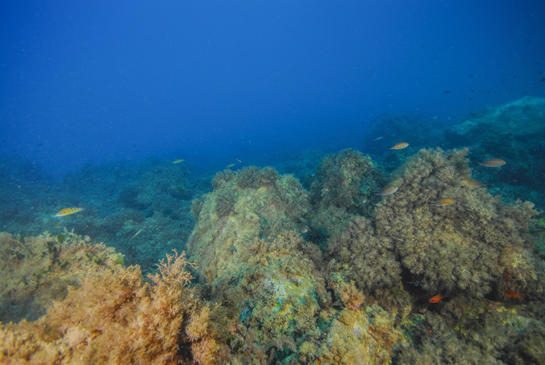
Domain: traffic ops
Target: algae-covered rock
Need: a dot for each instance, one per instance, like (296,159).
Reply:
(466,245)
(36,271)
(370,260)
(342,188)
(522,117)
(244,207)
(248,234)
(476,331)
(345,180)
(359,337)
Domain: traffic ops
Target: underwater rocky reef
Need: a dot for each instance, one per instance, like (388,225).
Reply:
(368,259)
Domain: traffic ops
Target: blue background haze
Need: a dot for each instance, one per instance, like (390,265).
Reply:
(210,81)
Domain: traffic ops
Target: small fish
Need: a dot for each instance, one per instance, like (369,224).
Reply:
(436,298)
(364,200)
(304,229)
(447,92)
(238,160)
(493,162)
(178,161)
(58,226)
(376,139)
(471,182)
(400,146)
(513,294)
(388,190)
(543,79)
(443,202)
(230,165)
(67,211)
(136,234)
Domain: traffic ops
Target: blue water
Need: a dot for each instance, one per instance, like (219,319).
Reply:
(406,254)
(216,80)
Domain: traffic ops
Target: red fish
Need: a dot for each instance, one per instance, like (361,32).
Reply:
(513,294)
(436,298)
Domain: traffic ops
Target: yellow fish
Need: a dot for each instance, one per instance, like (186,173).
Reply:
(178,161)
(443,202)
(304,229)
(67,211)
(493,162)
(230,165)
(388,190)
(471,182)
(400,146)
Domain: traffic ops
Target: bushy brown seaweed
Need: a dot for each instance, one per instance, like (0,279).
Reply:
(117,318)
(475,332)
(345,180)
(36,271)
(454,247)
(370,259)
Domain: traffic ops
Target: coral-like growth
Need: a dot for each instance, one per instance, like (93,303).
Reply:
(456,246)
(38,270)
(116,318)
